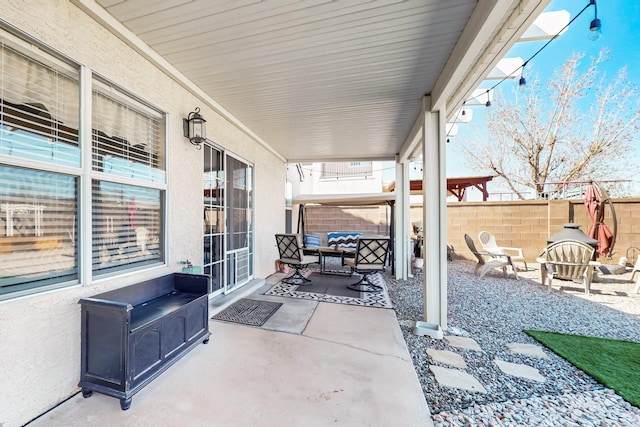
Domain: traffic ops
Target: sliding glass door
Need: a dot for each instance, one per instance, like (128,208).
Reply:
(240,225)
(228,220)
(214,217)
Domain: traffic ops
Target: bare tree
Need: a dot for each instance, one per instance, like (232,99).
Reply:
(577,127)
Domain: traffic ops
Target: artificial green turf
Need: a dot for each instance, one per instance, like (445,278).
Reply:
(616,364)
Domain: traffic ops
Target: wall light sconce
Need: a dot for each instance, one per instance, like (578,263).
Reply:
(193,127)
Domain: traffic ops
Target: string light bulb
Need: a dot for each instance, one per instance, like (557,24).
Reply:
(595,28)
(523,81)
(595,31)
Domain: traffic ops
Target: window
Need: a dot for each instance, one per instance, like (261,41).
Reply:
(127,226)
(346,170)
(38,244)
(41,169)
(128,150)
(39,114)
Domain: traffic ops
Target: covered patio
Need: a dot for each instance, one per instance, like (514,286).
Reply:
(318,363)
(277,82)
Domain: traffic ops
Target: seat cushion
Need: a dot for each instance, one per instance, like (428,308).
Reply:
(364,267)
(306,259)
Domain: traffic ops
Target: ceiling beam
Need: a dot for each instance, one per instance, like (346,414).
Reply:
(413,141)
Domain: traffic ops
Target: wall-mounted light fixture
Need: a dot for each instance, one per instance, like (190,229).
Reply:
(193,127)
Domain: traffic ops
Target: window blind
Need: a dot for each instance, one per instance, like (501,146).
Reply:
(127,226)
(128,137)
(39,108)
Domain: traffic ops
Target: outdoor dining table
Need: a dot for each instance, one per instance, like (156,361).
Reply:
(325,252)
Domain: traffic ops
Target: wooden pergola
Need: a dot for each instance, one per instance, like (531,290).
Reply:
(455,186)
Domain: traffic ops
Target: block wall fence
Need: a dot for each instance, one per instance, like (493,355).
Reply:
(521,224)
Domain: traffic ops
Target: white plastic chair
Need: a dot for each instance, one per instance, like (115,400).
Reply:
(636,269)
(488,242)
(568,260)
(488,261)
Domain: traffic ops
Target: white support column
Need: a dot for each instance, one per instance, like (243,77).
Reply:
(434,223)
(403,255)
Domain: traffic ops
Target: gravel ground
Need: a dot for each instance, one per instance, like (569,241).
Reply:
(494,310)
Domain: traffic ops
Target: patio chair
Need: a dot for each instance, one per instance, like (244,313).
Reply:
(488,242)
(568,260)
(290,248)
(370,257)
(488,260)
(636,268)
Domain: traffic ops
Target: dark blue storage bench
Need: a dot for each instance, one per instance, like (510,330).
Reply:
(132,334)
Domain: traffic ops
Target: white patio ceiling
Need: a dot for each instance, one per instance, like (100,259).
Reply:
(324,79)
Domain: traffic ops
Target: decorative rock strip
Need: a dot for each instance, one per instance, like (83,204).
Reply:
(492,312)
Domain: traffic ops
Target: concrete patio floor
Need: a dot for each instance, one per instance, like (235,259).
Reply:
(310,364)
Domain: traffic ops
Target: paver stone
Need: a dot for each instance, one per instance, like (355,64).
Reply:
(457,379)
(447,357)
(463,342)
(520,370)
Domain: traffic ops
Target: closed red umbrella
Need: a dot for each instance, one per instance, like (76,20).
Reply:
(593,202)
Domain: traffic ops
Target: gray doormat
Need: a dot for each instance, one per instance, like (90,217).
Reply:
(248,312)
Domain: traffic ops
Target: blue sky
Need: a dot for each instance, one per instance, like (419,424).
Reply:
(620,21)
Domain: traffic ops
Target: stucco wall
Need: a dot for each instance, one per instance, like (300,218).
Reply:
(40,334)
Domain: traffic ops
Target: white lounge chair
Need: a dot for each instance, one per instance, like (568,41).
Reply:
(488,260)
(488,242)
(636,269)
(568,260)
